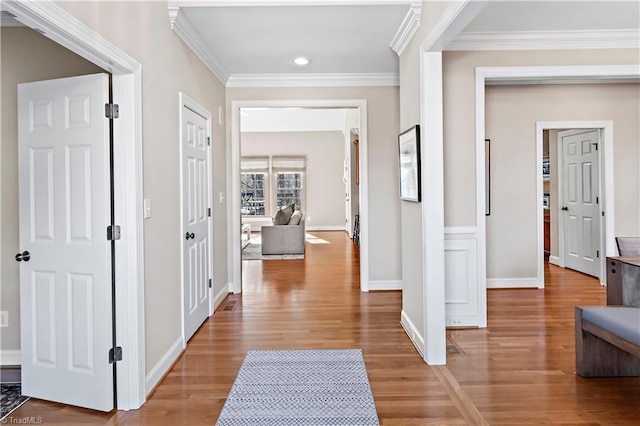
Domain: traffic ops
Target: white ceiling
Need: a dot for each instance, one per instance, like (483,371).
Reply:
(266,39)
(245,38)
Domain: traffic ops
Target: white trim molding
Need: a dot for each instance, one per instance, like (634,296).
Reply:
(58,25)
(233,183)
(536,75)
(220,296)
(407,29)
(325,228)
(385,285)
(531,282)
(183,28)
(546,40)
(454,19)
(10,357)
(555,260)
(165,363)
(411,330)
(314,80)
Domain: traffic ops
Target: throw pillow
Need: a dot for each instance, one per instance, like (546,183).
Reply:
(296,217)
(283,215)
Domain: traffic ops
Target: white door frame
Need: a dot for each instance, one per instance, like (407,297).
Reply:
(233,182)
(64,29)
(605,186)
(533,75)
(187,102)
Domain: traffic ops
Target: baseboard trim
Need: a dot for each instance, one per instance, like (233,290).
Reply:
(325,228)
(512,282)
(163,366)
(554,260)
(411,330)
(385,285)
(219,298)
(10,357)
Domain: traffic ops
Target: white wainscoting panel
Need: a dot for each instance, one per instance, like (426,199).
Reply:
(461,277)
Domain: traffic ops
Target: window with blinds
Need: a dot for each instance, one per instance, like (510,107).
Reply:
(267,184)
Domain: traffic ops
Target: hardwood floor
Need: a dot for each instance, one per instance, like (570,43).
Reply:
(520,370)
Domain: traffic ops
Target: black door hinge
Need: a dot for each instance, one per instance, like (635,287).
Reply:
(112,111)
(210,283)
(209,212)
(115,354)
(597,200)
(208,140)
(113,233)
(598,253)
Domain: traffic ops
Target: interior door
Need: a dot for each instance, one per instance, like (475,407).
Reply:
(65,258)
(195,220)
(581,209)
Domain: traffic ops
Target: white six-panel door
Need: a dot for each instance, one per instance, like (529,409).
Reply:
(195,220)
(581,210)
(64,206)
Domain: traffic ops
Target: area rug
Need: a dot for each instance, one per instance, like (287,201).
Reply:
(253,251)
(10,398)
(301,387)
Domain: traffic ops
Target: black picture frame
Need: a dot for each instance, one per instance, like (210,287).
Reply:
(487,177)
(409,164)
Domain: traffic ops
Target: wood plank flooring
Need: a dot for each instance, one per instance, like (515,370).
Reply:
(520,370)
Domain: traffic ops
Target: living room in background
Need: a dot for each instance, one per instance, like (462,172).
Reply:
(268,183)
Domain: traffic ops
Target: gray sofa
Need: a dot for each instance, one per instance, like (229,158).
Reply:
(284,238)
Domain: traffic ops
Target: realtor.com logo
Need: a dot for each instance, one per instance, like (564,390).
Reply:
(29,420)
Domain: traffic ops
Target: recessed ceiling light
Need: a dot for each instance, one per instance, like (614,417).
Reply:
(301,60)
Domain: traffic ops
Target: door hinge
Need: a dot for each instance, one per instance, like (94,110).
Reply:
(113,232)
(596,145)
(598,253)
(209,211)
(208,140)
(597,200)
(602,214)
(115,354)
(210,283)
(112,111)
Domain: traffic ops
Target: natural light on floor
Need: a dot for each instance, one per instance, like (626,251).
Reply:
(312,239)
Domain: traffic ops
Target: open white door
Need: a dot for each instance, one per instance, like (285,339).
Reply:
(581,207)
(65,258)
(195,219)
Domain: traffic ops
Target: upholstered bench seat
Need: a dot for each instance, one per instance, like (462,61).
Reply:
(623,321)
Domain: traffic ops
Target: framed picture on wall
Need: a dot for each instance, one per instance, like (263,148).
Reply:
(409,155)
(487,177)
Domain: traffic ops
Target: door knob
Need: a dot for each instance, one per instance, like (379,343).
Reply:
(565,209)
(25,255)
(189,235)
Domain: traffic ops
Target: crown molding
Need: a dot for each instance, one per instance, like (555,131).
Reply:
(547,40)
(189,35)
(407,29)
(8,19)
(313,80)
(454,19)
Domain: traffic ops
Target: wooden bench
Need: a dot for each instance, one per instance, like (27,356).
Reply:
(607,341)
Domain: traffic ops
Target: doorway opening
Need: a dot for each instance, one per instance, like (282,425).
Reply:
(256,209)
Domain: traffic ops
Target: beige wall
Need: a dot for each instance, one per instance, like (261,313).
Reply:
(383,123)
(25,56)
(459,112)
(411,213)
(511,124)
(324,154)
(142,30)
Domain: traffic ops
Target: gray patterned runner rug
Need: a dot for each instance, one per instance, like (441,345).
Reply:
(301,387)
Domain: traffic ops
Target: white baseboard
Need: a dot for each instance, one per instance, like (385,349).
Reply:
(10,357)
(512,282)
(385,285)
(554,260)
(219,298)
(162,367)
(325,228)
(412,332)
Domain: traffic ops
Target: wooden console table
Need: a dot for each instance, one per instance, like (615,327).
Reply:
(623,281)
